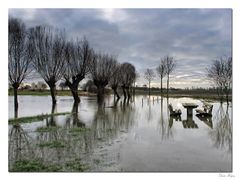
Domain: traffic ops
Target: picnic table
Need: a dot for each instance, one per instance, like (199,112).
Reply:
(189,107)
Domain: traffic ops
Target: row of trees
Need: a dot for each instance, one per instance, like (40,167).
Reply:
(219,73)
(47,51)
(165,68)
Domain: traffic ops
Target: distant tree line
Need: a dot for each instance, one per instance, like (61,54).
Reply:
(219,73)
(47,51)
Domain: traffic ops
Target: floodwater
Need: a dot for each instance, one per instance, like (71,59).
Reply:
(135,136)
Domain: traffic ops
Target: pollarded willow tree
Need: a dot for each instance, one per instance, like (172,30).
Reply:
(102,68)
(220,73)
(115,80)
(149,76)
(78,56)
(18,56)
(128,77)
(48,55)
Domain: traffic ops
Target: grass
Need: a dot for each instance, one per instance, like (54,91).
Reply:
(78,131)
(34,165)
(97,161)
(29,119)
(47,129)
(76,166)
(52,144)
(177,94)
(47,93)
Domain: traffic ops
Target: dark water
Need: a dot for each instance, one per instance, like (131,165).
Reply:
(133,136)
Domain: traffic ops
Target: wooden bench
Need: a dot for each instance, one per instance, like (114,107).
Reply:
(176,112)
(205,111)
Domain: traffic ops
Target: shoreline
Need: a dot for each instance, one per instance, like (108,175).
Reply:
(179,94)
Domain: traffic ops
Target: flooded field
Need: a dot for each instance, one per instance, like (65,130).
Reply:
(135,136)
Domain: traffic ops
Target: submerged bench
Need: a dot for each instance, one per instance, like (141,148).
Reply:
(205,111)
(176,112)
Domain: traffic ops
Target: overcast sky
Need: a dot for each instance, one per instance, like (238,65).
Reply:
(194,37)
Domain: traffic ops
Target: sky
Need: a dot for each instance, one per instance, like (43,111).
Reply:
(194,37)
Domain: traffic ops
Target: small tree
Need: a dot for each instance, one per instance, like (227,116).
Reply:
(128,77)
(170,66)
(18,56)
(220,73)
(48,55)
(161,71)
(149,76)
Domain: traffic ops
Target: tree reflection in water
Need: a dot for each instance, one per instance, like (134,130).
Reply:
(74,141)
(165,124)
(222,132)
(19,145)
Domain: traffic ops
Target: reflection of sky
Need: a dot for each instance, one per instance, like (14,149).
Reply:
(141,144)
(194,37)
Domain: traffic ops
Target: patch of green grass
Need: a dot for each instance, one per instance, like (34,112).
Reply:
(48,93)
(78,130)
(47,129)
(96,161)
(33,166)
(76,165)
(52,144)
(30,119)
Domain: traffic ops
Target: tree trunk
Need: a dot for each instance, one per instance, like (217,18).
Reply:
(100,94)
(76,98)
(73,86)
(167,85)
(134,89)
(149,89)
(53,94)
(15,101)
(116,93)
(128,93)
(161,87)
(124,92)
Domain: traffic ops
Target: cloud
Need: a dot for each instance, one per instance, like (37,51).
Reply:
(194,37)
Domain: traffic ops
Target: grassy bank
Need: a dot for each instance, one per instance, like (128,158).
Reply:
(47,93)
(30,119)
(204,94)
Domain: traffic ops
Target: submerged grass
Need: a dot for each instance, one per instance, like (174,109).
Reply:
(34,165)
(47,129)
(30,119)
(52,144)
(76,165)
(78,130)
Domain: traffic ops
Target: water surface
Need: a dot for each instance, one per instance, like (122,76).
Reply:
(134,136)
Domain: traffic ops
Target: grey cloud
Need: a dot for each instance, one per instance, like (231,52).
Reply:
(142,36)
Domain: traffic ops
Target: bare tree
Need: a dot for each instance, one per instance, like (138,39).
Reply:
(48,55)
(115,80)
(102,68)
(220,73)
(149,76)
(161,71)
(78,56)
(128,76)
(18,56)
(170,66)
